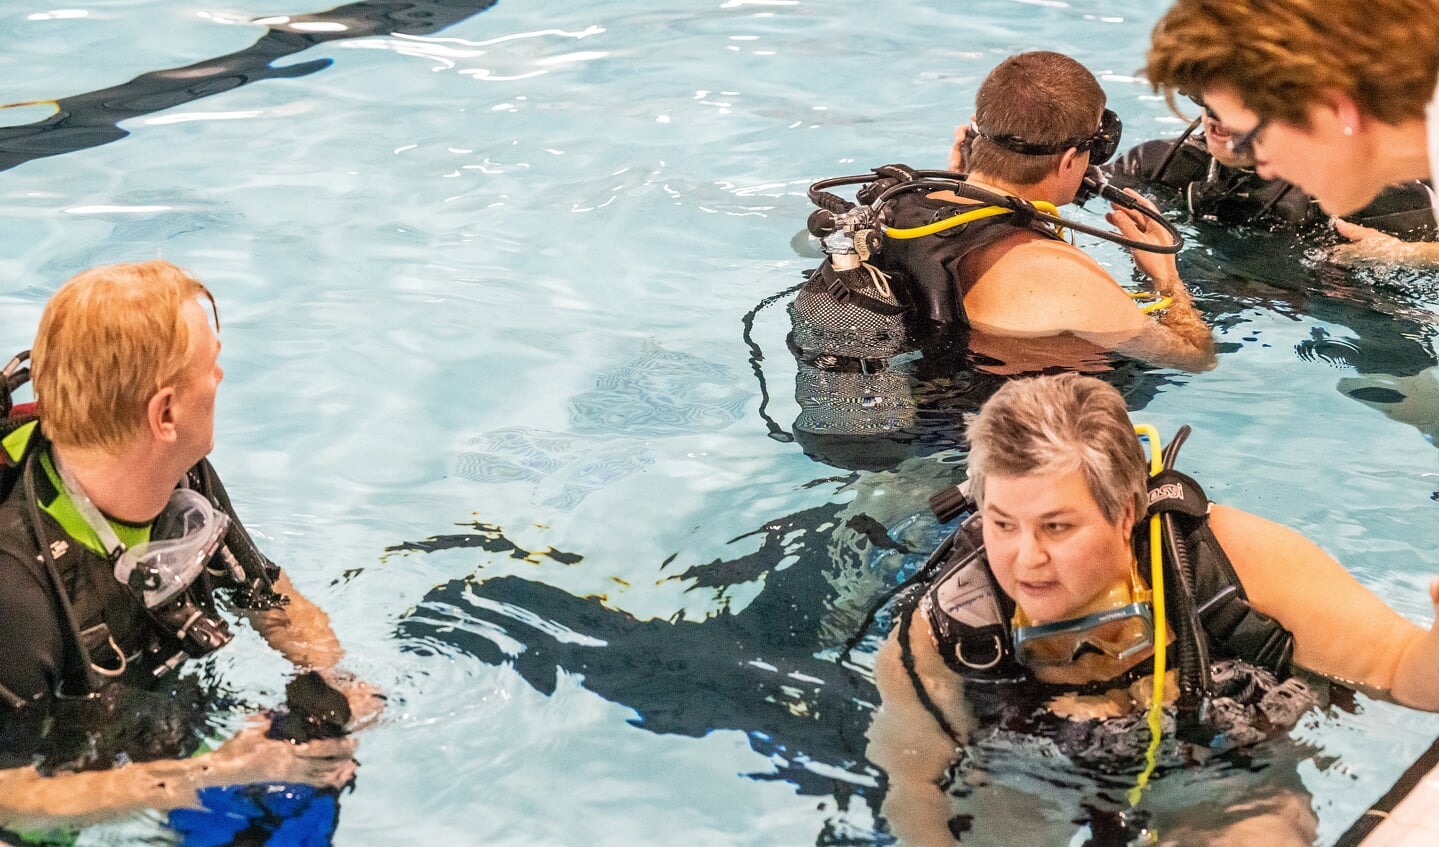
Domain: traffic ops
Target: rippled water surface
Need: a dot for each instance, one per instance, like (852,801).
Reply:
(507,388)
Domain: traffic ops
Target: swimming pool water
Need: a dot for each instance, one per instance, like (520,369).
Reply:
(491,399)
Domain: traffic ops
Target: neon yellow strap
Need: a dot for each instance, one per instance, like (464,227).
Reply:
(963,218)
(1161,628)
(1156,302)
(16,442)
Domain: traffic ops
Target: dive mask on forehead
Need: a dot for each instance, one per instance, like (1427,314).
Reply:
(1102,144)
(1123,627)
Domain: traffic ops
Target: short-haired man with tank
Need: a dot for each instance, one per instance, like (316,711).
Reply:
(116,541)
(1031,299)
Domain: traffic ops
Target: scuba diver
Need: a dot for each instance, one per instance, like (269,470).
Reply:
(117,540)
(937,285)
(1027,299)
(1218,184)
(1058,606)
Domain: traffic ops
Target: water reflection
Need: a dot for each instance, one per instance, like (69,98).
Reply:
(87,120)
(767,669)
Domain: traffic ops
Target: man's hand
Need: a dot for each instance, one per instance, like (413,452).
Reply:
(366,701)
(1136,226)
(252,757)
(957,161)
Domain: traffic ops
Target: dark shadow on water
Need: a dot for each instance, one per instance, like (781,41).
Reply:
(93,118)
(760,670)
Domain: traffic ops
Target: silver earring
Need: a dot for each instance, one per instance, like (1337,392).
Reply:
(1348,130)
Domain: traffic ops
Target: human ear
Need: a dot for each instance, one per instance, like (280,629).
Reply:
(160,414)
(1347,115)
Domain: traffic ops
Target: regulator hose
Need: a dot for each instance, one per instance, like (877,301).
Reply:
(1194,681)
(905,180)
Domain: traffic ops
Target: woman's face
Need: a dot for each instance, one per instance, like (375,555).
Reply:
(1324,160)
(1049,545)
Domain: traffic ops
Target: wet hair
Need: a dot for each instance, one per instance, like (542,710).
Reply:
(1281,56)
(109,339)
(1042,97)
(1054,424)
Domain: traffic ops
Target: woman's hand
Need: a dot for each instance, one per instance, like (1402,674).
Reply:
(1366,244)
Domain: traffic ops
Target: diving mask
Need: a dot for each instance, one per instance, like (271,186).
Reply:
(1121,627)
(183,538)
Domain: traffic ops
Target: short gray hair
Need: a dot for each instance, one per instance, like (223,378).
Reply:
(1053,424)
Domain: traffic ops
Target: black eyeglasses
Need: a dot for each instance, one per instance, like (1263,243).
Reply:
(1243,145)
(1102,144)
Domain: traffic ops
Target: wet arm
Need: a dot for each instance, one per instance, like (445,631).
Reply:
(299,630)
(1341,629)
(1048,287)
(907,742)
(1181,338)
(1367,244)
(29,800)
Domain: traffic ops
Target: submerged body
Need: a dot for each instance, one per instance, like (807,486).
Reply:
(1061,494)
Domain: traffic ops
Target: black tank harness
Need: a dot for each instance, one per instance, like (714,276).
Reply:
(875,235)
(970,615)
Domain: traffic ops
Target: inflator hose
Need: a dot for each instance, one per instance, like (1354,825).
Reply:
(1194,682)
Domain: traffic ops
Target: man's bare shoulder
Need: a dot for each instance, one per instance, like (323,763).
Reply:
(1031,285)
(1030,257)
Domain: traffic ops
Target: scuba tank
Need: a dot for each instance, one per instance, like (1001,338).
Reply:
(849,324)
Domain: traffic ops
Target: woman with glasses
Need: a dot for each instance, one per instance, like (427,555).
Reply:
(1217,186)
(1041,616)
(1336,98)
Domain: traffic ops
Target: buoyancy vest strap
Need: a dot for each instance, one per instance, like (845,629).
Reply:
(906,658)
(1231,620)
(18,440)
(1172,491)
(1225,612)
(75,675)
(844,286)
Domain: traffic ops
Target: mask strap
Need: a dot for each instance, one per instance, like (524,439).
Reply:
(90,513)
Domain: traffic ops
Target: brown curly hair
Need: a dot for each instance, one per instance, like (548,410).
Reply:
(1281,56)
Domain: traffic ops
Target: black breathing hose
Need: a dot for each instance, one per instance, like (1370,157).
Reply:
(1194,681)
(926,180)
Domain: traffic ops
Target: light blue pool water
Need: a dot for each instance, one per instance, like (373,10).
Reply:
(487,286)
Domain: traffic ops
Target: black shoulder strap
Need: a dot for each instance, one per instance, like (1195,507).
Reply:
(1230,621)
(75,678)
(1172,491)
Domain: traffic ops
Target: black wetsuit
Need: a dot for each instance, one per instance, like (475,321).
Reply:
(54,644)
(1228,196)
